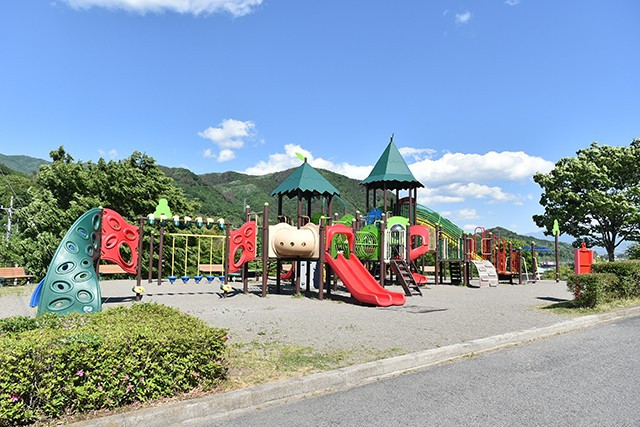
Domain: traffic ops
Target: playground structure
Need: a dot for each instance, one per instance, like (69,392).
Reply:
(387,245)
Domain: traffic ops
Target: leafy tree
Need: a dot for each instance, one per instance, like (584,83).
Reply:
(65,189)
(594,195)
(633,251)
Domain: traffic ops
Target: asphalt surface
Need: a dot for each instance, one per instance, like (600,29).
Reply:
(589,377)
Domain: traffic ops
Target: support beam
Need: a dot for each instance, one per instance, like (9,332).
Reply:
(265,249)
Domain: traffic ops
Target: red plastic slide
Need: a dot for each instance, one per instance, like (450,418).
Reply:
(361,283)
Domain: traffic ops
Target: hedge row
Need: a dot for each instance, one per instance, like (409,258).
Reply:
(52,366)
(609,281)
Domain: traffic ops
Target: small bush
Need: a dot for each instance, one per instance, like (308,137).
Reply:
(589,290)
(628,274)
(53,366)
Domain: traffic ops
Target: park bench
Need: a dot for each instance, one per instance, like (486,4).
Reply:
(110,269)
(14,273)
(211,268)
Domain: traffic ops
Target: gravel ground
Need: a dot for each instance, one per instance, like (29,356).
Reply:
(443,315)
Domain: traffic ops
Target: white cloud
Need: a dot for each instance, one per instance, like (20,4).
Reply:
(230,134)
(451,178)
(112,154)
(416,154)
(470,227)
(226,155)
(512,2)
(466,213)
(281,161)
(194,7)
(464,17)
(481,168)
(208,153)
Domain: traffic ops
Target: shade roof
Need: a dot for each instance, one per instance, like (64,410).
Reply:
(391,171)
(306,181)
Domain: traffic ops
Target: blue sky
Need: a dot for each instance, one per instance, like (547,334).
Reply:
(480,95)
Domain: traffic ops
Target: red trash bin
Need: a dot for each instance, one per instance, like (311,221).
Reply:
(582,260)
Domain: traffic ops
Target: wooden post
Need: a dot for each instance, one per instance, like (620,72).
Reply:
(297,274)
(407,245)
(534,267)
(510,263)
(265,249)
(150,273)
(383,226)
(367,200)
(384,197)
(279,204)
(160,250)
(227,241)
(465,261)
(245,267)
(397,210)
(139,249)
(436,257)
(329,213)
(519,266)
(320,267)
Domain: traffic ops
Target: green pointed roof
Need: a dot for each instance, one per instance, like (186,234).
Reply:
(392,170)
(307,181)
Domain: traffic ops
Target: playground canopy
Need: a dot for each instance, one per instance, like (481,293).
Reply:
(305,182)
(391,172)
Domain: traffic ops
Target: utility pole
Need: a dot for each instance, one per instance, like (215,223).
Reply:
(9,217)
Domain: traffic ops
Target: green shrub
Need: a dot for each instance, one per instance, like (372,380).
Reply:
(628,274)
(589,290)
(53,366)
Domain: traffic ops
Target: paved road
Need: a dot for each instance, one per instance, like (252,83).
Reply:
(590,377)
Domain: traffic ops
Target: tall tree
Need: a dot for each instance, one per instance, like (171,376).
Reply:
(594,195)
(64,189)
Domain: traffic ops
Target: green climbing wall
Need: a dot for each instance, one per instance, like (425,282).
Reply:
(71,284)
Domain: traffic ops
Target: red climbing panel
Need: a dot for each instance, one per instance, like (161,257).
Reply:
(423,232)
(243,239)
(117,232)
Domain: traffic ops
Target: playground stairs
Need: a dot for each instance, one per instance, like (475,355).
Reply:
(403,272)
(455,271)
(487,273)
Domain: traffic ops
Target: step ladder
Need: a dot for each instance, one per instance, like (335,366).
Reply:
(455,271)
(487,273)
(403,272)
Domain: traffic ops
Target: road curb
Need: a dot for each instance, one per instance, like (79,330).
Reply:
(340,379)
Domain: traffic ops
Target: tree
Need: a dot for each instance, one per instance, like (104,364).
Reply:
(65,189)
(594,195)
(633,251)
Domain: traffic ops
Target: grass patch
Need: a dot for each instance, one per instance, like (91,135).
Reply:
(571,308)
(17,291)
(254,362)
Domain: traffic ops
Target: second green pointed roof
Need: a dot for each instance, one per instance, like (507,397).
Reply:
(391,171)
(307,182)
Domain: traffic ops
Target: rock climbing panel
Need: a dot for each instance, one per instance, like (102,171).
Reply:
(71,283)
